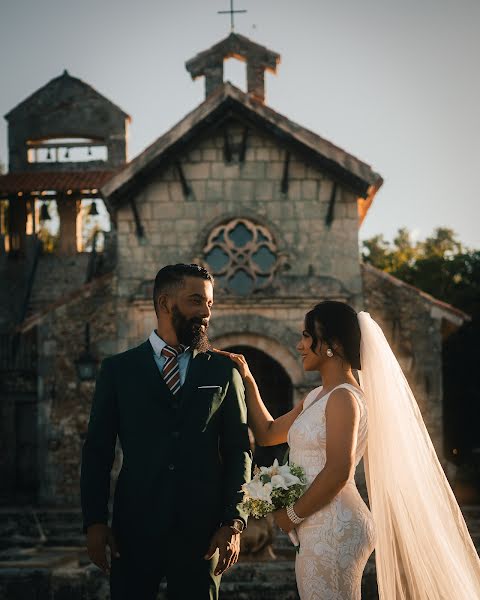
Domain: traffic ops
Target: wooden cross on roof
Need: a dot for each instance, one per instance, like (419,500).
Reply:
(231,12)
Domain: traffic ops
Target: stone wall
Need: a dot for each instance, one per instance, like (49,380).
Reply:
(415,334)
(64,401)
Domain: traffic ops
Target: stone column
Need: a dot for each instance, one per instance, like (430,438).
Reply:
(67,212)
(256,80)
(213,77)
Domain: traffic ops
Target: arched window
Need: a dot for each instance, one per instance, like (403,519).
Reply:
(242,255)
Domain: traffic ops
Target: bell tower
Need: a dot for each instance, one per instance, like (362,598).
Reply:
(209,64)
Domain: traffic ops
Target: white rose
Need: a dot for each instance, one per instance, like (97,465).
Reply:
(290,479)
(279,482)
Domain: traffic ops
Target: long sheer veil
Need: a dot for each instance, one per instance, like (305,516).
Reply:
(424,550)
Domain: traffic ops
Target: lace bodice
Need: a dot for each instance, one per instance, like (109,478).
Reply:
(307,437)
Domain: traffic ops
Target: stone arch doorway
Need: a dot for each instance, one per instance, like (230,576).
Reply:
(277,393)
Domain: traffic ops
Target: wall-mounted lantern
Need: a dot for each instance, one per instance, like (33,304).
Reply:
(86,363)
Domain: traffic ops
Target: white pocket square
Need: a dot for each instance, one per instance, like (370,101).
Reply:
(209,387)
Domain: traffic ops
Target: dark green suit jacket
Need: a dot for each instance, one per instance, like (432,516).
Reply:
(184,458)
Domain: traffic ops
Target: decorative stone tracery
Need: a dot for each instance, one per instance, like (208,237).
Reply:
(242,255)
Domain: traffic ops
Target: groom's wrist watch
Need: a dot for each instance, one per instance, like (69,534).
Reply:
(236,524)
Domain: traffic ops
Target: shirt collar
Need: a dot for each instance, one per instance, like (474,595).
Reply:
(158,344)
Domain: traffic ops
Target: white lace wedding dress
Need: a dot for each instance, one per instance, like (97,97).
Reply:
(336,541)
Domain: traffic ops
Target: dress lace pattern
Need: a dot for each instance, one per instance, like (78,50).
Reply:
(336,541)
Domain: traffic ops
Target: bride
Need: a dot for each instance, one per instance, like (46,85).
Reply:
(423,548)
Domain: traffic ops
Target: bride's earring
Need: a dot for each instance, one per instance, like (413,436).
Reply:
(329,352)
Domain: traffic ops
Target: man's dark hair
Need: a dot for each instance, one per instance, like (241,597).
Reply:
(172,277)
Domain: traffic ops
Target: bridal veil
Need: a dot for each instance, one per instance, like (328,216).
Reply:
(424,550)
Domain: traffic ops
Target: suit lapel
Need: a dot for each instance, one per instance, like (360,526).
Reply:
(196,369)
(152,377)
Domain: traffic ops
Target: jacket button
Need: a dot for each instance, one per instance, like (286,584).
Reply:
(171,467)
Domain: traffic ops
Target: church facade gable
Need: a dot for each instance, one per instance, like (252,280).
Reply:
(283,240)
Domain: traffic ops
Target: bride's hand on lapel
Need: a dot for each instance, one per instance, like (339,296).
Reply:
(240,362)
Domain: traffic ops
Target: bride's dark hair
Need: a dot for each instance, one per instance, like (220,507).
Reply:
(331,322)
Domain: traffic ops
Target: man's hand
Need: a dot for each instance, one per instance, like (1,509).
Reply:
(228,544)
(99,536)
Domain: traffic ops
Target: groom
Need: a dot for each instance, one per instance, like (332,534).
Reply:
(179,413)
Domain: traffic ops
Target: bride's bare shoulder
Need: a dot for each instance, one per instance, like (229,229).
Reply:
(342,401)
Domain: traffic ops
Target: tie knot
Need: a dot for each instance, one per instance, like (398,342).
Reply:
(170,351)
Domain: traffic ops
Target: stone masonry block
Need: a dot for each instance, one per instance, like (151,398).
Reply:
(313,172)
(250,154)
(275,170)
(309,189)
(124,227)
(262,154)
(296,170)
(167,211)
(264,211)
(217,170)
(175,192)
(264,190)
(310,210)
(276,154)
(170,238)
(239,191)
(295,191)
(210,154)
(169,174)
(231,171)
(195,156)
(253,170)
(194,171)
(186,225)
(214,190)
(124,214)
(199,190)
(144,210)
(158,191)
(351,210)
(272,209)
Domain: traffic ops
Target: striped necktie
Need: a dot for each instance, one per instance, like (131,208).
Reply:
(171,371)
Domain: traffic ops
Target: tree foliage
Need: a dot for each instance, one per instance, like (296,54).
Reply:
(438,265)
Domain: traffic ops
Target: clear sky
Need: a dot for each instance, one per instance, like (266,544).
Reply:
(394,82)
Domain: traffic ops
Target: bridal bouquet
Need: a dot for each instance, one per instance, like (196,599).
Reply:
(272,488)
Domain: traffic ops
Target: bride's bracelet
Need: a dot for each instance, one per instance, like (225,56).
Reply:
(292,515)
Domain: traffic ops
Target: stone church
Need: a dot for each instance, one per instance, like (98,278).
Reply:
(271,208)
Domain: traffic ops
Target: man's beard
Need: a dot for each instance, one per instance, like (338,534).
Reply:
(190,331)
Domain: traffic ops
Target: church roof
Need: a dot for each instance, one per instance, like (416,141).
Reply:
(58,92)
(446,311)
(60,181)
(228,101)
